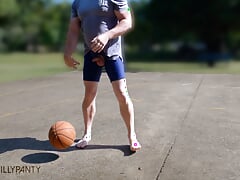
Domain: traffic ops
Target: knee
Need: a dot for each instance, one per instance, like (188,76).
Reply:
(89,98)
(122,96)
(121,91)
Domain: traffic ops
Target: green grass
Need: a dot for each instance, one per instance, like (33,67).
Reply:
(232,67)
(20,66)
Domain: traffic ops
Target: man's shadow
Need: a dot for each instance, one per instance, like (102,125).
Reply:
(29,143)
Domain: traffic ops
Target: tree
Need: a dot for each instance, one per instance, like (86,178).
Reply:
(54,27)
(20,21)
(209,21)
(33,25)
(31,20)
(8,11)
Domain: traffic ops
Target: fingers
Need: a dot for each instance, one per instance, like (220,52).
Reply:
(74,63)
(99,42)
(97,45)
(71,62)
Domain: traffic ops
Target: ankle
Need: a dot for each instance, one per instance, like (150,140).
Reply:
(87,132)
(87,136)
(132,136)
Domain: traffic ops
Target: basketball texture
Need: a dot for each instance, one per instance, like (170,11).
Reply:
(62,135)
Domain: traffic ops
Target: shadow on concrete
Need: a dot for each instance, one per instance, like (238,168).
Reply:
(10,144)
(124,148)
(37,158)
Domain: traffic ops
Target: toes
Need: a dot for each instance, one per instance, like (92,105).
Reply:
(82,144)
(135,145)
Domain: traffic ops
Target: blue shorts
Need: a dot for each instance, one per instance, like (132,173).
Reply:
(92,72)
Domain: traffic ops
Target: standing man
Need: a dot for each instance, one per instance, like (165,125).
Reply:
(102,23)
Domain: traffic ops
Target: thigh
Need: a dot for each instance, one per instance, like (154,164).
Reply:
(91,71)
(120,89)
(115,69)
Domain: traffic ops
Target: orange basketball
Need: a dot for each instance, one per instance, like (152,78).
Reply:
(62,134)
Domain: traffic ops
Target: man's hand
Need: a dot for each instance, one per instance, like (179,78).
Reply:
(71,62)
(99,42)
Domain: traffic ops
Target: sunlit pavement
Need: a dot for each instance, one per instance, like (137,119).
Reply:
(188,125)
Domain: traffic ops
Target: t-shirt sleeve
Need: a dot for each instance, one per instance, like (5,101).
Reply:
(120,5)
(74,9)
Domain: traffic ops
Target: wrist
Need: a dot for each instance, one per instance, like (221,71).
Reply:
(67,56)
(109,35)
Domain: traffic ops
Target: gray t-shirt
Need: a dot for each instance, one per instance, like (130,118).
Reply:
(97,17)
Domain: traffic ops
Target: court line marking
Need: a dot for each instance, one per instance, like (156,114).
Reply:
(8,114)
(28,89)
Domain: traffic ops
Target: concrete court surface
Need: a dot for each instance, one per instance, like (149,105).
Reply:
(188,125)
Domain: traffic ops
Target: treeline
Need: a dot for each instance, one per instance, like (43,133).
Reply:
(207,29)
(33,25)
(211,26)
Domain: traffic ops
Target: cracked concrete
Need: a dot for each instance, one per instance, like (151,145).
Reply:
(188,125)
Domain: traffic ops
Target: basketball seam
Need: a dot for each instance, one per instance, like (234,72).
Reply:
(62,122)
(56,135)
(59,133)
(64,129)
(66,136)
(59,140)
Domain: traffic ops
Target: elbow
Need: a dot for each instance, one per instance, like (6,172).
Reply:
(129,26)
(131,22)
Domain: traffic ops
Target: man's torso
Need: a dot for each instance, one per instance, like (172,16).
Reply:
(97,17)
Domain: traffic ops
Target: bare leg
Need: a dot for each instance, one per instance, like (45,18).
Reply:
(89,110)
(89,105)
(127,111)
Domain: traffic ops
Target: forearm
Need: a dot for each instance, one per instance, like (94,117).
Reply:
(120,29)
(70,46)
(71,43)
(72,37)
